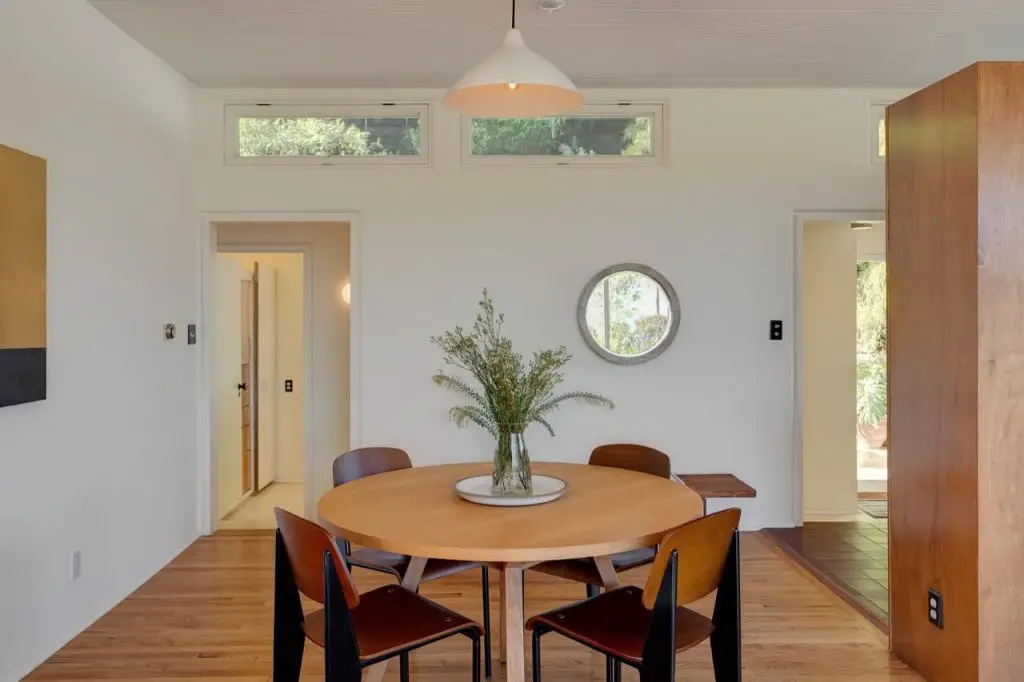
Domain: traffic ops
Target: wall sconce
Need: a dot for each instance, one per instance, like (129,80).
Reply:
(346,293)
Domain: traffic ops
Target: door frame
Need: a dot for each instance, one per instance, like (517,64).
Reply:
(800,219)
(206,463)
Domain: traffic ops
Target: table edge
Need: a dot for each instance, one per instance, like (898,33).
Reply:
(493,555)
(526,555)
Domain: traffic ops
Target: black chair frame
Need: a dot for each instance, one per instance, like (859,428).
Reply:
(485,587)
(659,654)
(341,651)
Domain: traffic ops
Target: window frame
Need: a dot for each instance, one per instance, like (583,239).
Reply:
(656,110)
(877,115)
(236,111)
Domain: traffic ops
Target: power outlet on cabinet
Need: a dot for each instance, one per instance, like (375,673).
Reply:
(935,608)
(76,564)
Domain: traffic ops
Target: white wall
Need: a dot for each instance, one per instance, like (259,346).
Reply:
(290,356)
(717,221)
(107,463)
(330,387)
(830,371)
(871,243)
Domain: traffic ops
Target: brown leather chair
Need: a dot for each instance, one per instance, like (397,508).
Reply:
(619,456)
(355,630)
(646,628)
(365,462)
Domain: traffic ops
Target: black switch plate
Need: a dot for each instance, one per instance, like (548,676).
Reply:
(775,330)
(935,608)
(191,335)
(288,386)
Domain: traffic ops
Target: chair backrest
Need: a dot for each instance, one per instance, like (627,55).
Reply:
(702,547)
(633,457)
(364,462)
(306,543)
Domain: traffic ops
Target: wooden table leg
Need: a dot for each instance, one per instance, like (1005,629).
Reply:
(515,630)
(414,573)
(608,575)
(411,581)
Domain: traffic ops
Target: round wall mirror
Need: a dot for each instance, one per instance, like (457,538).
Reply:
(628,313)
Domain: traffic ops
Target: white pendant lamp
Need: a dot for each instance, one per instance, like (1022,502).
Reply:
(514,82)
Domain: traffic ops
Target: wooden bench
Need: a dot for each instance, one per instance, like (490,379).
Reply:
(715,486)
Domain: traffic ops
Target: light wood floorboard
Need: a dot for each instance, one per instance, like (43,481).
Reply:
(208,616)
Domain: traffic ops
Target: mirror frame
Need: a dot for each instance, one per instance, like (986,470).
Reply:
(588,290)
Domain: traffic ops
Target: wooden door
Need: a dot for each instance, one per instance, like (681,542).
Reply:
(265,376)
(229,415)
(245,386)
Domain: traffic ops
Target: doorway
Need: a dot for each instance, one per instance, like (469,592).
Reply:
(260,306)
(872,383)
(840,464)
(329,381)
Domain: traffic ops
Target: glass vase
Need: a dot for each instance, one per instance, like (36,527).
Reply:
(511,476)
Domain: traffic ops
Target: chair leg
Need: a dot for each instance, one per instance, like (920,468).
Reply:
(476,656)
(618,671)
(289,637)
(403,666)
(592,591)
(537,632)
(609,669)
(486,586)
(659,653)
(726,638)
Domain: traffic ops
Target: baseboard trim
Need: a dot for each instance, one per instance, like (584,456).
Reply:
(830,516)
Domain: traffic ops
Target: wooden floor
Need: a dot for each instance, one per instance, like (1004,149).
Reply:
(207,616)
(850,557)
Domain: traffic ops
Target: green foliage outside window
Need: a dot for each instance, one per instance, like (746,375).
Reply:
(872,383)
(631,332)
(325,136)
(328,136)
(562,136)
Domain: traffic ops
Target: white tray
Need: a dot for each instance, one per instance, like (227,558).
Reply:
(477,489)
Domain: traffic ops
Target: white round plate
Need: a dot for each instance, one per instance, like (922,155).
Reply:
(477,489)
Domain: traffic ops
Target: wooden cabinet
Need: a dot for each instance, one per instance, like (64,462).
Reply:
(955,204)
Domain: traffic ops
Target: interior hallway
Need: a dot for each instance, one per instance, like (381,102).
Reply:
(208,616)
(256,512)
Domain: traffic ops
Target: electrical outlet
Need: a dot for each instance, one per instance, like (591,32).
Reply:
(935,608)
(288,386)
(775,330)
(76,564)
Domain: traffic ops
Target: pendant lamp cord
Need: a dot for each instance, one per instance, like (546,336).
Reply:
(513,13)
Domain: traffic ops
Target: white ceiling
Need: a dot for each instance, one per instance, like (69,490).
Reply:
(649,43)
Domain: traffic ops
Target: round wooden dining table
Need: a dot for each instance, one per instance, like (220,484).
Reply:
(417,512)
